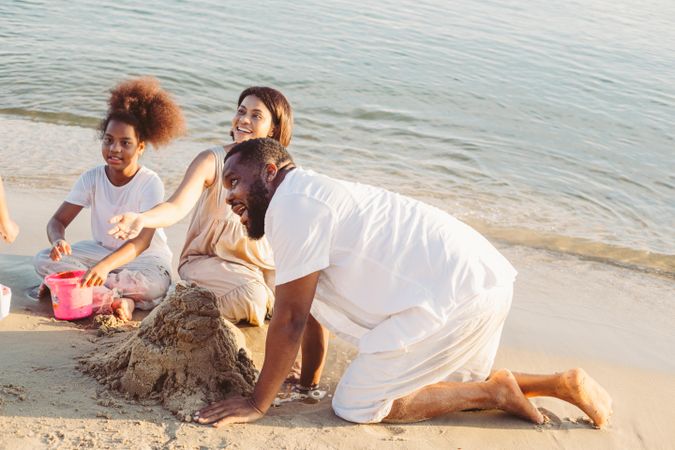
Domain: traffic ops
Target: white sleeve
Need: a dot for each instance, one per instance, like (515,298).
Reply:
(300,231)
(153,193)
(83,191)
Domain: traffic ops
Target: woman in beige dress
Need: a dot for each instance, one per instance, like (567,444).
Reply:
(217,253)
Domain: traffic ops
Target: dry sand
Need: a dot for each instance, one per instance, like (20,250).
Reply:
(567,312)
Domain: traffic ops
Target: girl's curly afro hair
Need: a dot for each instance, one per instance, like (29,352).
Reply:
(143,104)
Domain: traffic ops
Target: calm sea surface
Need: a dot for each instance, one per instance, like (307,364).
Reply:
(541,123)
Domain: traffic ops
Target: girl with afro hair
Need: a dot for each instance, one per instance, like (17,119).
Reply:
(135,273)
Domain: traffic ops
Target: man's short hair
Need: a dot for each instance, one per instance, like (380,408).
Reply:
(260,151)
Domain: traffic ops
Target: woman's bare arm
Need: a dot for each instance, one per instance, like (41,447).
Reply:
(198,176)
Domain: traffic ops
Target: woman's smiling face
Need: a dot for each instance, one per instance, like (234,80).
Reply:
(252,120)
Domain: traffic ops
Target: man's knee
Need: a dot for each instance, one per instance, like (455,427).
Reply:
(354,405)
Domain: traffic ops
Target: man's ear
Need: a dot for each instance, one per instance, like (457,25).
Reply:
(271,171)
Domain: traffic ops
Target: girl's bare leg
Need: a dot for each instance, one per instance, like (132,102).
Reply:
(501,391)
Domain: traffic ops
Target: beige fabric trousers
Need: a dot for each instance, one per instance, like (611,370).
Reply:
(241,291)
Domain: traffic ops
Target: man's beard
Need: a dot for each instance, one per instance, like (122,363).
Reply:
(257,203)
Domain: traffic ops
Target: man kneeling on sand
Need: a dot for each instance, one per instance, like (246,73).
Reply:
(422,295)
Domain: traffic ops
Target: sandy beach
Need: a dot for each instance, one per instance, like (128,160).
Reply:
(567,312)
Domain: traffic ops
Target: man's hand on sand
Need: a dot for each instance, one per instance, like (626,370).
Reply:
(127,225)
(231,410)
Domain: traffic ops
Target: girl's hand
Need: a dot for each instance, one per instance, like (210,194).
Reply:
(95,276)
(9,230)
(231,410)
(60,248)
(127,225)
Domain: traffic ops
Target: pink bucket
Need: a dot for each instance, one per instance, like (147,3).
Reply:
(69,300)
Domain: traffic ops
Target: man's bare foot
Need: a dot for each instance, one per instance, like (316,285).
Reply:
(510,398)
(123,308)
(578,388)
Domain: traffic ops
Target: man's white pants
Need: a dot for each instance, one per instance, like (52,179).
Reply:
(463,350)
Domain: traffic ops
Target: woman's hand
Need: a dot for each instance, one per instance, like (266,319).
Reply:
(231,410)
(95,276)
(60,248)
(9,230)
(127,225)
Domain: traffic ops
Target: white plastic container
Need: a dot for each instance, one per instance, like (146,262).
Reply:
(5,300)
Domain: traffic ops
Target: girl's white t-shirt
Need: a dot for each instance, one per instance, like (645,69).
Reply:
(94,190)
(393,269)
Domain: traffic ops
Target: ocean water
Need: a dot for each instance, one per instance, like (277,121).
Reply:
(547,124)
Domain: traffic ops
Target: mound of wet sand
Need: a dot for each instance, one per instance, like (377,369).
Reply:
(108,324)
(184,355)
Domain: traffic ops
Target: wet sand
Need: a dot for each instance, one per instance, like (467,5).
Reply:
(567,312)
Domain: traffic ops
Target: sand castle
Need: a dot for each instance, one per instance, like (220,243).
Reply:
(184,355)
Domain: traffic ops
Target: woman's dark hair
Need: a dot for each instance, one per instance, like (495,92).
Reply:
(282,113)
(143,104)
